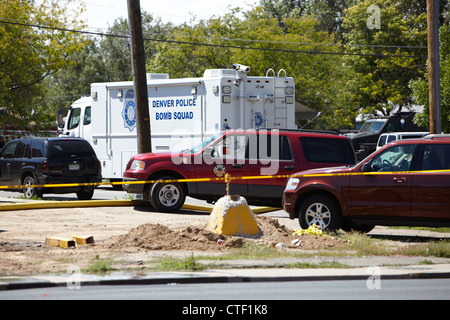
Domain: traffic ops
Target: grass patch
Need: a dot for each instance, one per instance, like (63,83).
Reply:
(256,251)
(100,266)
(439,249)
(172,264)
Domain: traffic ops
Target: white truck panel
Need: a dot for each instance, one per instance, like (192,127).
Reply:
(183,112)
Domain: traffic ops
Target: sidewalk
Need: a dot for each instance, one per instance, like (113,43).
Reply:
(246,271)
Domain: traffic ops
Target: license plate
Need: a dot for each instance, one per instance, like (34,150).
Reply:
(74,167)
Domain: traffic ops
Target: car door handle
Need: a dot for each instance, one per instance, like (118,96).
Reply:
(289,167)
(399,180)
(237,165)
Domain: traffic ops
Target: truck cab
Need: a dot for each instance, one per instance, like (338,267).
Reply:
(365,141)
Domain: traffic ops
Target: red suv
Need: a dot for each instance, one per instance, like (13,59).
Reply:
(405,183)
(241,154)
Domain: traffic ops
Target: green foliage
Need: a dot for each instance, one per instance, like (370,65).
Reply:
(28,55)
(379,82)
(420,89)
(42,70)
(261,42)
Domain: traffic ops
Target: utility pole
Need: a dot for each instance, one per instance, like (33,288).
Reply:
(139,76)
(434,83)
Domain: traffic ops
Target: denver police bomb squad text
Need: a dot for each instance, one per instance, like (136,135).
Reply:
(170,103)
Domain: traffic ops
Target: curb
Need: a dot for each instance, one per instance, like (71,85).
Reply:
(77,281)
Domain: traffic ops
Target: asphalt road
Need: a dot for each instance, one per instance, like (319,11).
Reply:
(388,289)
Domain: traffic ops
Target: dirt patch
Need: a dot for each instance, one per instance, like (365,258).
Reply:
(160,237)
(123,234)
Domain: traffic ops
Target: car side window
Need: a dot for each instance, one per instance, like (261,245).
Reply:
(74,119)
(327,150)
(87,116)
(38,149)
(396,158)
(436,157)
(8,150)
(21,149)
(231,147)
(282,150)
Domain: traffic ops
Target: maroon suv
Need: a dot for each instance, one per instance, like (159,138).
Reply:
(241,154)
(405,183)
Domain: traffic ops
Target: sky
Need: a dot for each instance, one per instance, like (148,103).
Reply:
(101,13)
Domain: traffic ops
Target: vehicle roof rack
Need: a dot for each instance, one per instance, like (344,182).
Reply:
(437,136)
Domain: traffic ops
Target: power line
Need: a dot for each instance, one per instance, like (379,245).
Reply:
(214,45)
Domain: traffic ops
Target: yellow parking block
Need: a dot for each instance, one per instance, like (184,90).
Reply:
(81,240)
(60,242)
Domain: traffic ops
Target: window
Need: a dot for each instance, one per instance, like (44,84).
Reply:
(397,158)
(232,147)
(74,119)
(8,150)
(87,116)
(21,149)
(436,157)
(67,148)
(38,149)
(284,148)
(327,150)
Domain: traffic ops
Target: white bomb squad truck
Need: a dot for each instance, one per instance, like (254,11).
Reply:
(183,112)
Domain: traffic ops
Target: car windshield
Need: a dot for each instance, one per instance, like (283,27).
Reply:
(373,125)
(66,148)
(199,147)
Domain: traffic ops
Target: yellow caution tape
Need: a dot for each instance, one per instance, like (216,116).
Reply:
(228,179)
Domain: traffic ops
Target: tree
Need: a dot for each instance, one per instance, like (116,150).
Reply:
(106,59)
(262,43)
(419,86)
(30,53)
(385,37)
(329,13)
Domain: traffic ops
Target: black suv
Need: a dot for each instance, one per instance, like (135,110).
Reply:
(32,162)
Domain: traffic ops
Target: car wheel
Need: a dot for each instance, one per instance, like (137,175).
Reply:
(321,210)
(85,194)
(29,191)
(167,197)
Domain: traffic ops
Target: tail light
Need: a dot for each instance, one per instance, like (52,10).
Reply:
(99,168)
(45,167)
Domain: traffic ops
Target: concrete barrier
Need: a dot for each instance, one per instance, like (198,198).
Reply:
(231,215)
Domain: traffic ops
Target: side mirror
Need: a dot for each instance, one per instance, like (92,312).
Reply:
(365,167)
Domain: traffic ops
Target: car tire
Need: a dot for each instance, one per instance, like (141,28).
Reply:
(30,192)
(85,194)
(321,210)
(167,196)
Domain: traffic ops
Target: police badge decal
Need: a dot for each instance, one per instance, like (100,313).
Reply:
(129,111)
(220,170)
